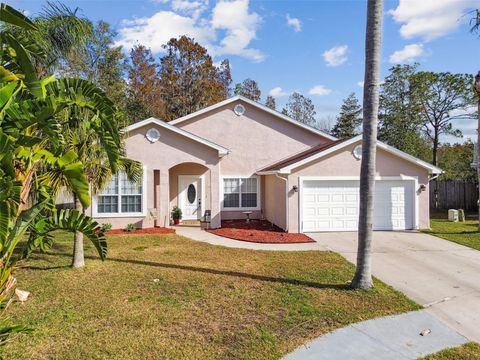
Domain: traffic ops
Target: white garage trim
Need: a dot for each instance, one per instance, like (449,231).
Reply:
(302,179)
(342,144)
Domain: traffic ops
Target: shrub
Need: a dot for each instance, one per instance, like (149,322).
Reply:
(130,227)
(106,227)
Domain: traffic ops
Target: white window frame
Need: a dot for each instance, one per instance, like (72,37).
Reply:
(119,214)
(222,187)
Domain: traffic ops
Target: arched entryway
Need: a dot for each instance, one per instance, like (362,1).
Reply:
(190,190)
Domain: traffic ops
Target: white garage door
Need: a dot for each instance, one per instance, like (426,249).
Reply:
(333,205)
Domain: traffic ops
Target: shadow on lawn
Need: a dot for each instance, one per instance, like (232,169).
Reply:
(311,284)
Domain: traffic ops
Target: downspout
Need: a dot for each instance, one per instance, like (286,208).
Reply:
(287,220)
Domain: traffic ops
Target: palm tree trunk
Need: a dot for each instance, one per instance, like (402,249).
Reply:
(363,274)
(477,89)
(78,260)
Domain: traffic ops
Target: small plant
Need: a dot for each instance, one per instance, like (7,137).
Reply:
(176,215)
(130,227)
(106,227)
(140,248)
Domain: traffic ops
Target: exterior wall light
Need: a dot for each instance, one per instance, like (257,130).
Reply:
(295,188)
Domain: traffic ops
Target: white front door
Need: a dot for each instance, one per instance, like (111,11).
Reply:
(190,196)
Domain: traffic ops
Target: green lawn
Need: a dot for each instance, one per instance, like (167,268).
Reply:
(464,233)
(469,351)
(167,297)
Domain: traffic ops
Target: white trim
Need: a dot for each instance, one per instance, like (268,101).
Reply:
(259,195)
(257,105)
(302,179)
(288,169)
(180,196)
(97,215)
(221,150)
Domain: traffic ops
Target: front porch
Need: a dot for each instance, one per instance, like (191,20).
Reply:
(187,186)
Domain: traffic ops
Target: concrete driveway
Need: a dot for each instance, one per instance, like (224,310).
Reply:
(438,274)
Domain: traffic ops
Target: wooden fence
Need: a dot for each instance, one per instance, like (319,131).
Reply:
(454,194)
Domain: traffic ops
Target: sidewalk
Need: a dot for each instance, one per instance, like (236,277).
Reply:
(391,337)
(195,233)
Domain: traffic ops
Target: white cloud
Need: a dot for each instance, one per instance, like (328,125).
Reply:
(192,8)
(408,54)
(336,56)
(277,92)
(430,19)
(320,90)
(157,30)
(240,26)
(295,23)
(231,19)
(360,84)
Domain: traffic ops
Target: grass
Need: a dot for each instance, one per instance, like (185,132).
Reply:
(468,351)
(464,233)
(181,299)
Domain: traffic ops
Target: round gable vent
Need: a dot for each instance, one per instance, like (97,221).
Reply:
(239,109)
(357,152)
(152,135)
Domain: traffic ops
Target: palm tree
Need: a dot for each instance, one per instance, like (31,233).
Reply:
(363,274)
(477,90)
(59,30)
(32,145)
(85,143)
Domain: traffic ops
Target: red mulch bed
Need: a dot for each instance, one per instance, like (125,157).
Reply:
(152,230)
(258,231)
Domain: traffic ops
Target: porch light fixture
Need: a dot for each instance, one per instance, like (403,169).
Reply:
(152,135)
(423,187)
(295,188)
(357,152)
(239,109)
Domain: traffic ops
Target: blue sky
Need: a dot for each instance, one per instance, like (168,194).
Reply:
(314,47)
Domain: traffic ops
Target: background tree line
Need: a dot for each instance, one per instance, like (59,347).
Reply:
(417,108)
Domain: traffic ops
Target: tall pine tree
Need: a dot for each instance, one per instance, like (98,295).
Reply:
(249,89)
(144,92)
(271,102)
(349,119)
(300,108)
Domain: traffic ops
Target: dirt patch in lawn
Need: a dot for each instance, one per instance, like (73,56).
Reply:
(152,230)
(258,231)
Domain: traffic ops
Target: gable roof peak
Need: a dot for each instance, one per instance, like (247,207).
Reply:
(258,106)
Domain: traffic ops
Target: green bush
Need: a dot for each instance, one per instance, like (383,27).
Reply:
(106,227)
(130,227)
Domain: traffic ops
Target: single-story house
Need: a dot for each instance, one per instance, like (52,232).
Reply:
(239,155)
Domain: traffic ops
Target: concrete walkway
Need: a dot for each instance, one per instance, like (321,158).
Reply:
(392,337)
(196,233)
(438,274)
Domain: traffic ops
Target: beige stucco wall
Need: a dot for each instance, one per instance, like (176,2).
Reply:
(172,149)
(255,140)
(343,163)
(275,201)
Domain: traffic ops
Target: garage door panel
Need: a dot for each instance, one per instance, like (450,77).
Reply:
(335,205)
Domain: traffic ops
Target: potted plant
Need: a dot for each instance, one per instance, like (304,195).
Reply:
(176,215)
